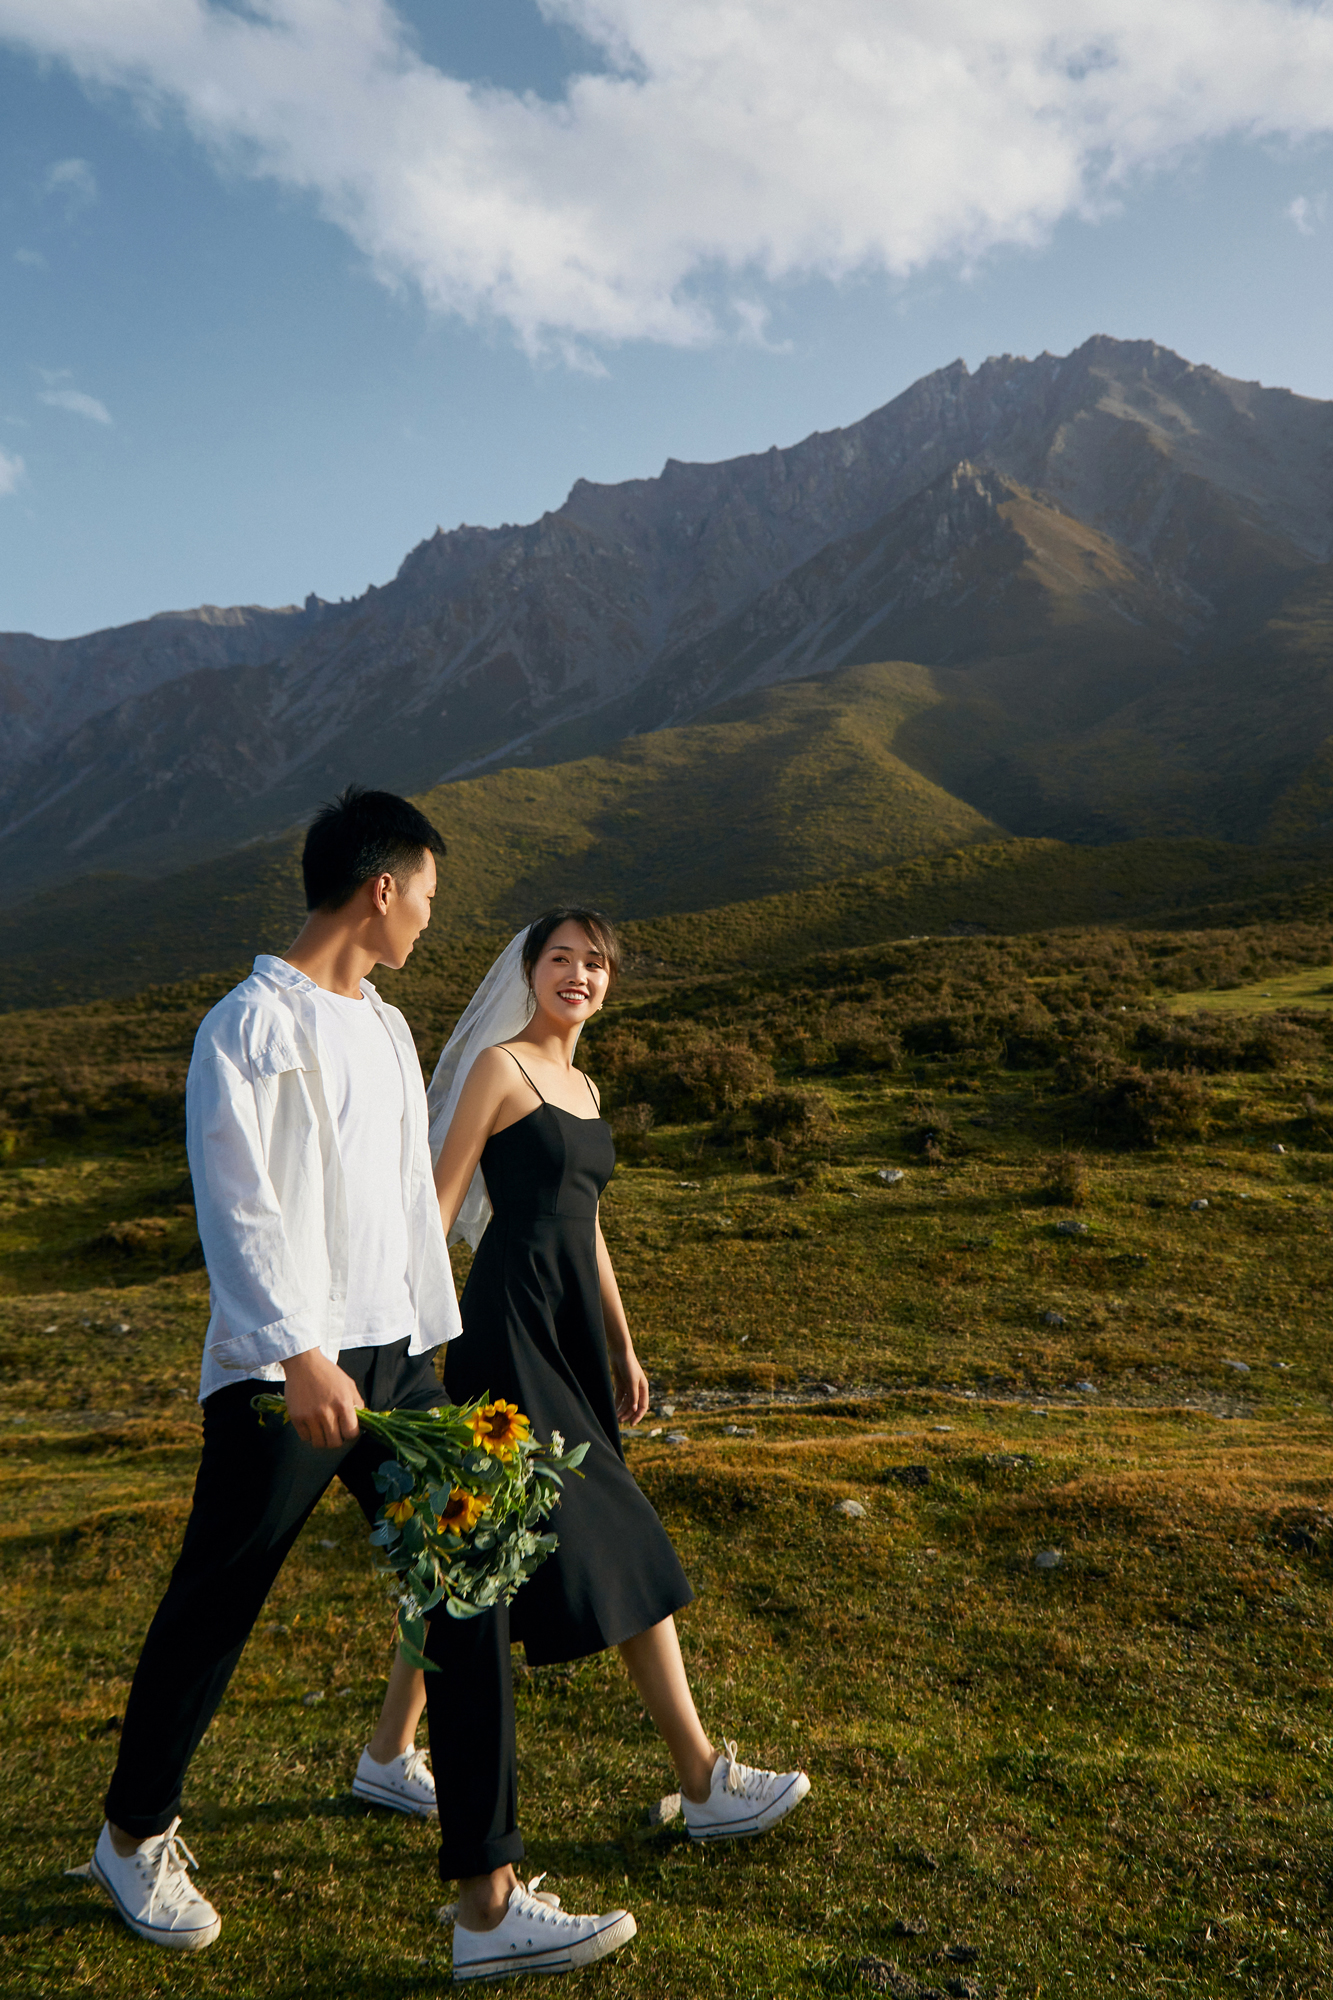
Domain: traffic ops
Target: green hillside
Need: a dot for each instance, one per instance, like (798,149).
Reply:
(782,825)
(793,786)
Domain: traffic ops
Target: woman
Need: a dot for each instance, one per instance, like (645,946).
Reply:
(514,1124)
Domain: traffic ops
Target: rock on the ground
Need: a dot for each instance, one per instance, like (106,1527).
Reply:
(890,1176)
(1048,1559)
(851,1508)
(1070,1227)
(1054,1319)
(1239,1367)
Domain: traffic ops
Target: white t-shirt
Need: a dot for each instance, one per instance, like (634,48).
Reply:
(363,1087)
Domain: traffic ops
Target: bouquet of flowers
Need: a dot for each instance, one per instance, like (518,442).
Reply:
(465,1493)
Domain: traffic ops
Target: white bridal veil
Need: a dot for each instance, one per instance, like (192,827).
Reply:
(500,1008)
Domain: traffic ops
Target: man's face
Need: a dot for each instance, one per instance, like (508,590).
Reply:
(405,912)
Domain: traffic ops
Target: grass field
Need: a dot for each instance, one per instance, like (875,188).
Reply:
(1107,1775)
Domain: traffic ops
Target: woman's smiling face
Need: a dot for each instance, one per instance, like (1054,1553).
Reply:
(570,979)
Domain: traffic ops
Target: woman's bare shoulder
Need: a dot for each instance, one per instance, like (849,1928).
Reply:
(494,1065)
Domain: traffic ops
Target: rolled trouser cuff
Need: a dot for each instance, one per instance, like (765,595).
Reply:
(461,1859)
(139,1826)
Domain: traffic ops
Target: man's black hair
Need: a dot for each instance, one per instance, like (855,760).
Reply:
(359,835)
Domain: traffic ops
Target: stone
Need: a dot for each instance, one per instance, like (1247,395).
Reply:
(739,1430)
(121,1327)
(851,1508)
(657,1433)
(961,1954)
(677,1437)
(1048,1559)
(313,1699)
(1071,1227)
(326,1545)
(891,1176)
(909,1475)
(689,1184)
(908,1927)
(667,1410)
(941,1427)
(1239,1367)
(1087,1388)
(1054,1319)
(1275,1148)
(1197,1206)
(666,1808)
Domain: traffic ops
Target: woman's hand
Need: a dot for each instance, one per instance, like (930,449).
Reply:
(631,1387)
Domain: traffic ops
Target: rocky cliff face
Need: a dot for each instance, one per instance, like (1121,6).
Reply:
(1062,539)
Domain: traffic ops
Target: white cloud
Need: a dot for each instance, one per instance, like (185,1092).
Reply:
(1306,214)
(730,143)
(32,257)
(76,403)
(73,182)
(11,473)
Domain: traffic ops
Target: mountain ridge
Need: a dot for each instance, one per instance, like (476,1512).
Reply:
(1060,542)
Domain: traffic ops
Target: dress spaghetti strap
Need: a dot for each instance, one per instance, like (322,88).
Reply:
(523,1073)
(596,1101)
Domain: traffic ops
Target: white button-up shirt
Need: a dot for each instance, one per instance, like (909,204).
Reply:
(268,1183)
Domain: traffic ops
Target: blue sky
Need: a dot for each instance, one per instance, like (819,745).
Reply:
(229,380)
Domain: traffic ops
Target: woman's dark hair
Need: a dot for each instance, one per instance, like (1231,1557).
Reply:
(359,835)
(599,930)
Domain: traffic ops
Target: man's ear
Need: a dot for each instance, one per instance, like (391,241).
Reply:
(379,893)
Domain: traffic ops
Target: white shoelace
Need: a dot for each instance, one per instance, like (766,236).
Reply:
(744,1782)
(542,1909)
(171,1880)
(412,1761)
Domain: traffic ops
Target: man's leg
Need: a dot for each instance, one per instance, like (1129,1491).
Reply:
(257,1485)
(473,1750)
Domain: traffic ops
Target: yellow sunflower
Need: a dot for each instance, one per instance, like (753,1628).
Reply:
(463,1512)
(399,1511)
(498,1427)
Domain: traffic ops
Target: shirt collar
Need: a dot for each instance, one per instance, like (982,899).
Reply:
(283,973)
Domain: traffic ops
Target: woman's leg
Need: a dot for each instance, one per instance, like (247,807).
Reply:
(658,1672)
(404,1699)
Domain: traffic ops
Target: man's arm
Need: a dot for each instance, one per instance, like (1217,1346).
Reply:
(263,1296)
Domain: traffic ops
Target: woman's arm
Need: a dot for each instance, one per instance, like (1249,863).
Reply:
(630,1380)
(492,1083)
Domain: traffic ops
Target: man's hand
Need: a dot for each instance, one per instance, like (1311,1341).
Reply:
(322,1402)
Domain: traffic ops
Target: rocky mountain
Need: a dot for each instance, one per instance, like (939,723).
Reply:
(1113,565)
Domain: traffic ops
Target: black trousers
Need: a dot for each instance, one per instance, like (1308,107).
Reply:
(257,1486)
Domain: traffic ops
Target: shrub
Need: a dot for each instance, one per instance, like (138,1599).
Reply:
(861,1039)
(797,1119)
(933,1136)
(1068,1183)
(682,1074)
(1145,1107)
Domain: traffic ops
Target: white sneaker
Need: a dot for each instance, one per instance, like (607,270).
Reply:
(536,1935)
(743,1802)
(405,1784)
(153,1892)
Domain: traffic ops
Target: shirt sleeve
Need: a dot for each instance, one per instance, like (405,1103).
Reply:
(262,1310)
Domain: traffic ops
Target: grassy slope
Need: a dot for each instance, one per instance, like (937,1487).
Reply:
(1106,1778)
(792,786)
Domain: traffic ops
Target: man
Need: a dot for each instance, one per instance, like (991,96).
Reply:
(328,1273)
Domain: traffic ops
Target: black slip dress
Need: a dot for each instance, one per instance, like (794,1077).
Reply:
(533,1333)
